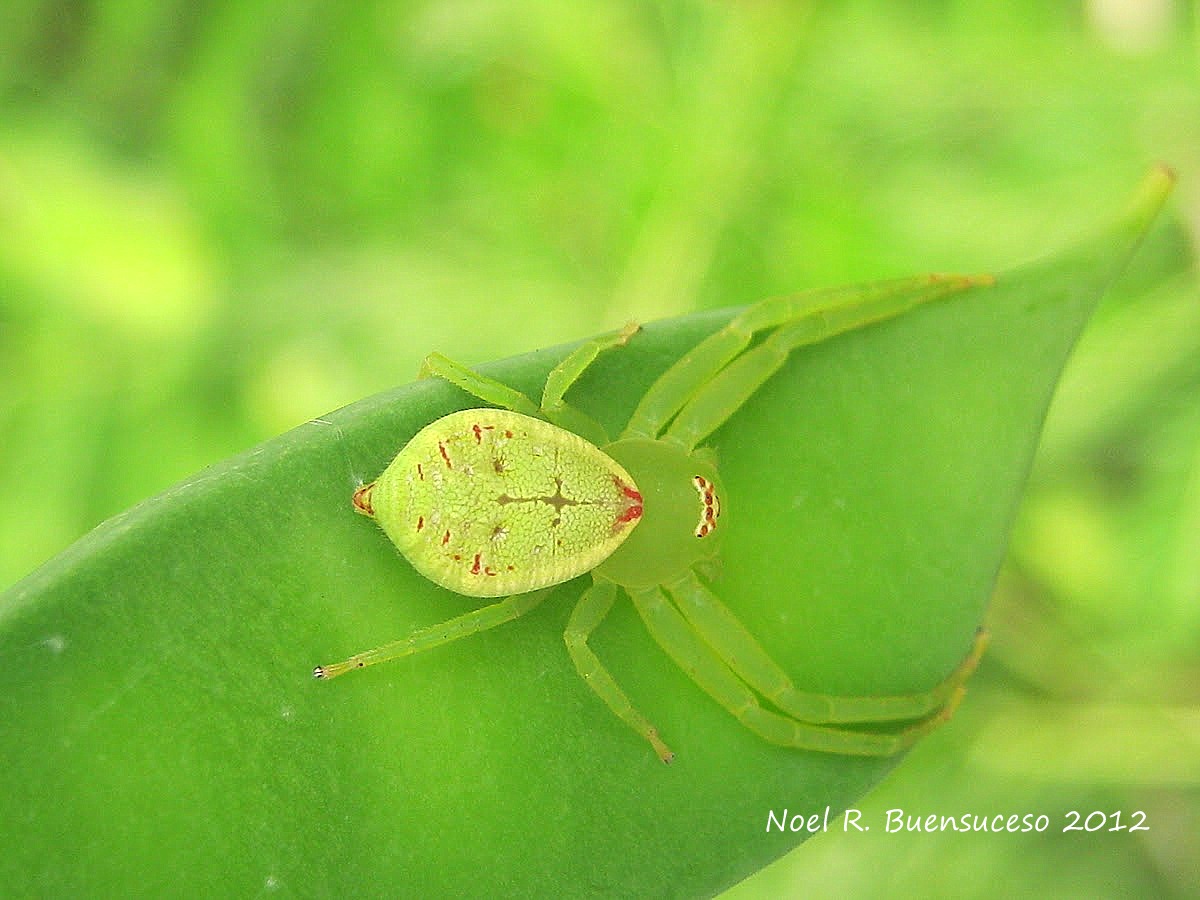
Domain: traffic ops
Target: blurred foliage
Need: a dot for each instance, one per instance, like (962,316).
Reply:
(219,220)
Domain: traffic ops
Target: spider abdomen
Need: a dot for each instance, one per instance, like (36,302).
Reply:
(488,503)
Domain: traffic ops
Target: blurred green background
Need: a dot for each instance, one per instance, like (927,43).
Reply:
(219,220)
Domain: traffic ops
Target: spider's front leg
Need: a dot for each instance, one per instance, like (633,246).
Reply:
(712,381)
(748,660)
(715,675)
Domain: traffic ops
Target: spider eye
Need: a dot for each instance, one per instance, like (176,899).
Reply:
(710,506)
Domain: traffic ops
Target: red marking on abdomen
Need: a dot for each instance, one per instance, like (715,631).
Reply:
(631,514)
(629,492)
(475,568)
(446,538)
(362,499)
(633,511)
(478,432)
(445,455)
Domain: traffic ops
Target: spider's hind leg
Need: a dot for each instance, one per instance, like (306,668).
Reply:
(467,624)
(593,606)
(567,372)
(559,380)
(489,390)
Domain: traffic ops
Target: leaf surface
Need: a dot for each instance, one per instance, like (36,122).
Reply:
(162,732)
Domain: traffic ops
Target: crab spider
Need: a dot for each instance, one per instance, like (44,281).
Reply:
(510,501)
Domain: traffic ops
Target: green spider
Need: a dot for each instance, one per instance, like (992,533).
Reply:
(509,502)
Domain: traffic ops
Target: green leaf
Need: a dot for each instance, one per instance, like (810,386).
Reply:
(162,733)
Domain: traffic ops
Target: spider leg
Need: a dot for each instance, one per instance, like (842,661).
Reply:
(713,402)
(473,622)
(489,390)
(560,379)
(675,386)
(567,372)
(593,606)
(820,314)
(743,654)
(681,642)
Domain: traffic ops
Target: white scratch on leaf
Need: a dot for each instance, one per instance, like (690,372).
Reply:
(55,643)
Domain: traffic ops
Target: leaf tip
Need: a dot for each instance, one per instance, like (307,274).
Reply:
(1153,191)
(1165,172)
